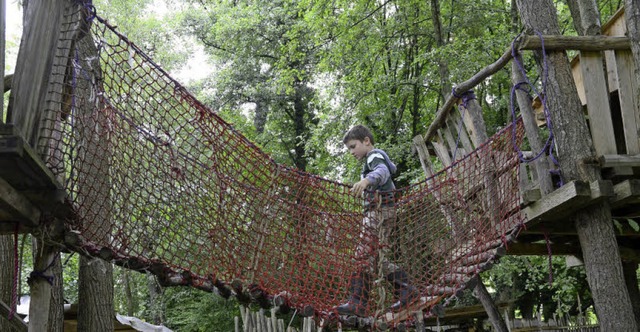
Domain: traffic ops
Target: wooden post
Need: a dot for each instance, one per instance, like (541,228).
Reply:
(35,57)
(491,308)
(40,286)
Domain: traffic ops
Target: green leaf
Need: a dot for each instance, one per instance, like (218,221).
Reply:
(618,225)
(633,224)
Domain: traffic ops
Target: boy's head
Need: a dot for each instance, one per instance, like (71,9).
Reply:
(359,141)
(359,133)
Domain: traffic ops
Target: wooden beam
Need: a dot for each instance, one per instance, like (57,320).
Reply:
(582,43)
(626,192)
(619,160)
(540,249)
(18,208)
(23,170)
(462,313)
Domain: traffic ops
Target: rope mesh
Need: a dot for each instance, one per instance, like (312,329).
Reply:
(159,182)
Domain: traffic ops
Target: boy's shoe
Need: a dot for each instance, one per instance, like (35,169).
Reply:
(359,286)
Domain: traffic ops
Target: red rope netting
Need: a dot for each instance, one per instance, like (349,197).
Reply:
(159,182)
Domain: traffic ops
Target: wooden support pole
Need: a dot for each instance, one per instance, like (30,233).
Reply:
(490,307)
(40,286)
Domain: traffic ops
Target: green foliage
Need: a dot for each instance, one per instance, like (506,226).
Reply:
(189,309)
(528,281)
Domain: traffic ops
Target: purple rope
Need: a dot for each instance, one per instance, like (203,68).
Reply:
(41,274)
(89,7)
(549,145)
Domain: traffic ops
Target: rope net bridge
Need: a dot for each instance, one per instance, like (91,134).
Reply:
(158,182)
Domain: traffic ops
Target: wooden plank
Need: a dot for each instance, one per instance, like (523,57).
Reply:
(35,58)
(454,152)
(474,122)
(423,155)
(597,97)
(576,72)
(14,320)
(425,161)
(461,134)
(630,112)
(441,152)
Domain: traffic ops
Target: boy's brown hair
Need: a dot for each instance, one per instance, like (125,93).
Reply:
(359,133)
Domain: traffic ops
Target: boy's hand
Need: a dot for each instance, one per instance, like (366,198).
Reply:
(359,187)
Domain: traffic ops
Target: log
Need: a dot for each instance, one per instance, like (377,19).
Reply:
(462,88)
(582,43)
(439,290)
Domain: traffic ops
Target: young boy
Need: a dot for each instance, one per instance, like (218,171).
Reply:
(379,216)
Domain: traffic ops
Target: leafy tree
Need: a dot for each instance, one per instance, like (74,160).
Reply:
(529,282)
(265,63)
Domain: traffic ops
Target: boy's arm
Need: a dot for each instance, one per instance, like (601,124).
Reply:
(380,173)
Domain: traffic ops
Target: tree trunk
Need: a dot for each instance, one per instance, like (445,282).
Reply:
(95,286)
(155,300)
(631,278)
(127,292)
(443,68)
(56,304)
(95,295)
(574,146)
(6,276)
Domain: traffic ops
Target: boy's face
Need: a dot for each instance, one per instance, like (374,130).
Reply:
(359,149)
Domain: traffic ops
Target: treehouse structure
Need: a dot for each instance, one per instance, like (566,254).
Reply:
(105,154)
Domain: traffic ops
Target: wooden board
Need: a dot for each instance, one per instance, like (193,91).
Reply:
(629,110)
(597,98)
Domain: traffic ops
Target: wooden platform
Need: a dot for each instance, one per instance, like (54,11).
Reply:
(550,218)
(28,189)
